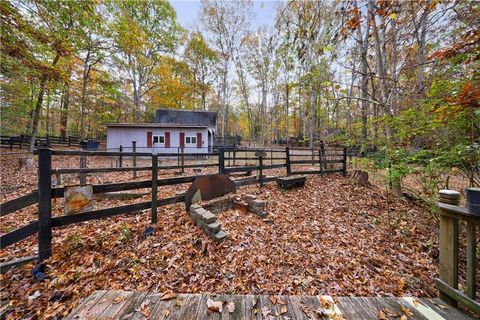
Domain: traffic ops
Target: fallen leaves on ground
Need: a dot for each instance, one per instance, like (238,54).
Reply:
(231,306)
(328,238)
(214,306)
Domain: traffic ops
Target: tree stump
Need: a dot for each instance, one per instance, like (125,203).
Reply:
(25,162)
(360,177)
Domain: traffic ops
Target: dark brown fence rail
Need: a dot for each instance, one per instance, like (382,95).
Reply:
(24,141)
(229,161)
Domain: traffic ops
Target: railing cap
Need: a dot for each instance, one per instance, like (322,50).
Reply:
(448,192)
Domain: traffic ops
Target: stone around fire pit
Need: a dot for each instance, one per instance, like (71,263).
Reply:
(204,213)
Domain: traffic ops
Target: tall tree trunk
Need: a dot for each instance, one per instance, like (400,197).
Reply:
(224,100)
(38,106)
(83,100)
(379,54)
(47,117)
(64,114)
(312,111)
(421,37)
(287,92)
(363,41)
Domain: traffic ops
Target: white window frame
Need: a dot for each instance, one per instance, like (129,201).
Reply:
(158,143)
(193,141)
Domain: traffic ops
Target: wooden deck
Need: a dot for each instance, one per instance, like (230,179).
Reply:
(142,305)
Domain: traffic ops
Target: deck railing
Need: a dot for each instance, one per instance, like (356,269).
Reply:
(451,216)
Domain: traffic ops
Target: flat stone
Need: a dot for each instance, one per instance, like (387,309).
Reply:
(219,236)
(261,214)
(208,217)
(258,203)
(200,212)
(249,197)
(213,227)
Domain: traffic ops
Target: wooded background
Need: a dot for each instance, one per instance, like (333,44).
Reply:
(401,75)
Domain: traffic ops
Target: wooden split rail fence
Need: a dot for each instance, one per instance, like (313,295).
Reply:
(228,163)
(24,141)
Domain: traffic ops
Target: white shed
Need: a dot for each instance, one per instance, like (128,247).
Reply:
(175,129)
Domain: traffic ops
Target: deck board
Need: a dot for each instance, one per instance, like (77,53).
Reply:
(127,305)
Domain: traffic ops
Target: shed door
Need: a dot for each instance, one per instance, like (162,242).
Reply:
(149,139)
(182,139)
(199,139)
(167,139)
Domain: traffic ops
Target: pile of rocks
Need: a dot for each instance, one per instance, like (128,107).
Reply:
(208,222)
(204,214)
(254,205)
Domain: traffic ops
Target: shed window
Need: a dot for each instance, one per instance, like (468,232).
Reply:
(191,140)
(159,139)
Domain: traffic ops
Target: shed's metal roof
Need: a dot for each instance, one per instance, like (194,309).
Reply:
(153,125)
(186,117)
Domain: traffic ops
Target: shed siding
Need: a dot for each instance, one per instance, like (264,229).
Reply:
(124,136)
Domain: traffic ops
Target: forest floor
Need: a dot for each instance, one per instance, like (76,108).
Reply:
(330,237)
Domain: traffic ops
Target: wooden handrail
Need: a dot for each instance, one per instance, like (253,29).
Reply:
(450,215)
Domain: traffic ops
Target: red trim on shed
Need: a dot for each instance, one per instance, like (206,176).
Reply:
(149,139)
(167,139)
(182,139)
(199,139)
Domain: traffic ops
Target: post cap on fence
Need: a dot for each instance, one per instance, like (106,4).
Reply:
(449,196)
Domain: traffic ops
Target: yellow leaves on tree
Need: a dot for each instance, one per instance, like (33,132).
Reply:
(173,86)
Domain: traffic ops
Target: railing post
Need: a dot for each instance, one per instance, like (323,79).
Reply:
(449,246)
(69,141)
(120,149)
(44,204)
(344,162)
(471,260)
(221,160)
(154,187)
(134,158)
(287,155)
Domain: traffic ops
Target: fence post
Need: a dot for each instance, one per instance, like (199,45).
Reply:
(21,141)
(69,142)
(320,161)
(344,162)
(120,149)
(448,243)
(287,154)
(183,161)
(83,164)
(134,158)
(260,163)
(44,203)
(221,160)
(154,187)
(11,143)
